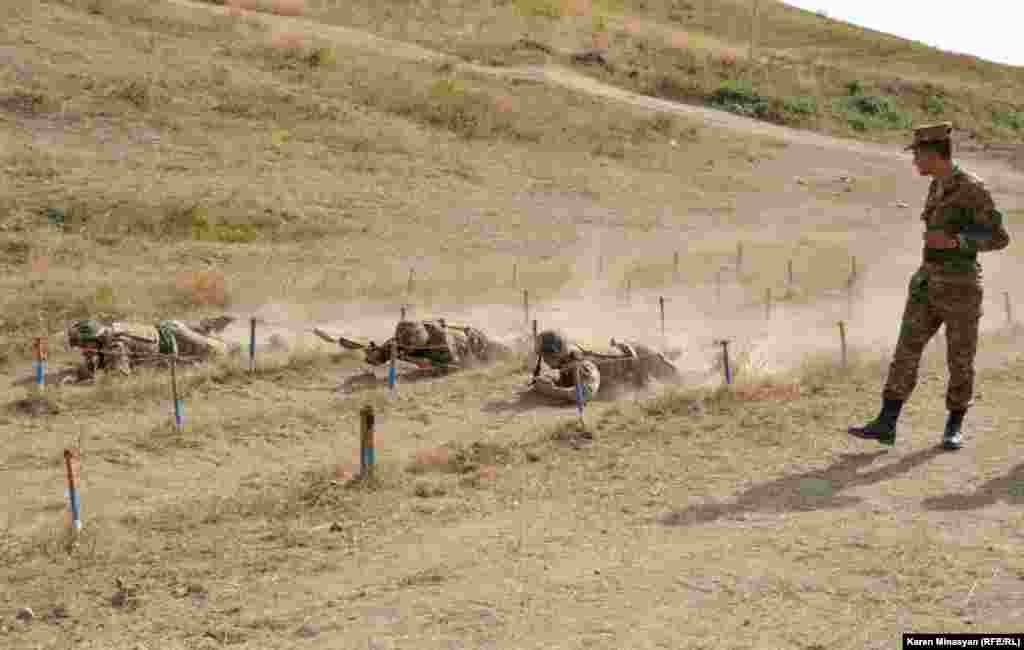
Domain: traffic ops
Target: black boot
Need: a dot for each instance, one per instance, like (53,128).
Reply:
(952,438)
(883,427)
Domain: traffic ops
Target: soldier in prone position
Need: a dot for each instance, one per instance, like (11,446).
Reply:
(435,344)
(624,365)
(123,347)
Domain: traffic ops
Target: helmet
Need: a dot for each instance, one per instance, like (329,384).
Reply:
(411,334)
(83,332)
(554,345)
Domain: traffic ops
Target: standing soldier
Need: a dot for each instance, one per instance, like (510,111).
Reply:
(960,221)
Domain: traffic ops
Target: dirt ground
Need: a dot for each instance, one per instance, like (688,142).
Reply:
(736,524)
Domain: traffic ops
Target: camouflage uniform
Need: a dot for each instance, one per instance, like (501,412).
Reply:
(947,288)
(124,346)
(435,344)
(621,364)
(178,338)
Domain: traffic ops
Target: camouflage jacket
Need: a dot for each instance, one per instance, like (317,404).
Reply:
(962,207)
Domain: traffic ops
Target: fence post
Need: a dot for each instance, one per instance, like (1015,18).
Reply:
(367,450)
(402,313)
(661,306)
(392,369)
(252,345)
(40,352)
(532,350)
(725,361)
(73,496)
(579,396)
(174,393)
(842,342)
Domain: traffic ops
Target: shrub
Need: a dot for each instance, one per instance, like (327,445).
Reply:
(800,105)
(865,112)
(738,96)
(854,88)
(1009,119)
(935,105)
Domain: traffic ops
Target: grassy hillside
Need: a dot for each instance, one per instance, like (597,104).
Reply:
(808,71)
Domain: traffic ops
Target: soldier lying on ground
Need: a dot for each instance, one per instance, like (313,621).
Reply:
(431,344)
(123,347)
(624,365)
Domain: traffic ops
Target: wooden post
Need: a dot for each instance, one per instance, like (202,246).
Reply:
(393,369)
(842,342)
(526,306)
(789,274)
(367,450)
(409,284)
(768,304)
(402,313)
(252,345)
(40,352)
(515,272)
(661,305)
(1009,309)
(675,266)
(73,495)
(174,393)
(579,396)
(533,345)
(725,361)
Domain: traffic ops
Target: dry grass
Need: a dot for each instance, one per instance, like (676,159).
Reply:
(690,51)
(165,162)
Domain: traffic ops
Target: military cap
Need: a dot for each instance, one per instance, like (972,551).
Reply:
(931,133)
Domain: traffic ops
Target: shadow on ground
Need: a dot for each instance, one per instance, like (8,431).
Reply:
(1009,488)
(815,490)
(525,401)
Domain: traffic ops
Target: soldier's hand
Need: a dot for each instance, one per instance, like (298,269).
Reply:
(939,239)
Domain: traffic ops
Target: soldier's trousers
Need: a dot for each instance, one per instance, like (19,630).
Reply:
(932,302)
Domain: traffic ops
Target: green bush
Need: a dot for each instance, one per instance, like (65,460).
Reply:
(738,96)
(800,105)
(935,105)
(1009,119)
(854,88)
(864,112)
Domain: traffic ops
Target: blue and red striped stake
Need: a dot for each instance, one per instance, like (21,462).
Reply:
(174,392)
(392,373)
(39,352)
(76,513)
(366,443)
(579,395)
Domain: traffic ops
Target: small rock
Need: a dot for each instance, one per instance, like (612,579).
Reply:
(800,181)
(696,409)
(901,204)
(25,615)
(532,456)
(336,528)
(57,614)
(309,631)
